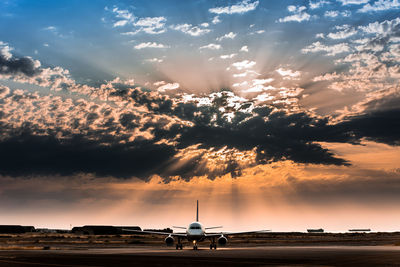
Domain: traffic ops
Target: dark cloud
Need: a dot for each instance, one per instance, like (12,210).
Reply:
(276,137)
(17,66)
(378,126)
(390,101)
(103,142)
(28,154)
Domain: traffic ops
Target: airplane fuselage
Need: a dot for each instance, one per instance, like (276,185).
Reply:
(195,232)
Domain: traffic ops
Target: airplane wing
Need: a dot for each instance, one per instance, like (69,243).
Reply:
(213,227)
(155,233)
(236,233)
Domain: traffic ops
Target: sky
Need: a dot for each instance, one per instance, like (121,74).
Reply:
(280,115)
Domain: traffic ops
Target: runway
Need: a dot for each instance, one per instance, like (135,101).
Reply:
(238,256)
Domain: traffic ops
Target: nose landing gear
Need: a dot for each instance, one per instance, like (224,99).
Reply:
(194,245)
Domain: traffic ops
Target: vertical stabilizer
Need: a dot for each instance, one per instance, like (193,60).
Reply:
(197,212)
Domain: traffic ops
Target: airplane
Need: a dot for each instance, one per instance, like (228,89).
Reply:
(195,233)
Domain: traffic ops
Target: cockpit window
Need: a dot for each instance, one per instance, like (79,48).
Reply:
(195,227)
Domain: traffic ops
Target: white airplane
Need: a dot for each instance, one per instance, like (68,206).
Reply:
(196,233)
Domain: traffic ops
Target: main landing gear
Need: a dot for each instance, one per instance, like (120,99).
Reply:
(213,245)
(179,245)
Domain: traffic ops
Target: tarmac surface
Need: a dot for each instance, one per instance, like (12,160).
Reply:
(237,256)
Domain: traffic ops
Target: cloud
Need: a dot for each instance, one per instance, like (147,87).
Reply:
(124,17)
(353,2)
(120,23)
(326,77)
(159,83)
(4,91)
(245,64)
(255,82)
(239,8)
(168,137)
(318,4)
(228,56)
(154,60)
(190,29)
(151,25)
(156,22)
(47,155)
(230,35)
(245,83)
(335,13)
(299,14)
(342,34)
(211,47)
(150,45)
(10,65)
(258,85)
(383,28)
(53,146)
(264,97)
(245,73)
(331,50)
(168,86)
(216,20)
(287,73)
(257,32)
(244,49)
(380,5)
(331,13)
(259,88)
(371,65)
(101,130)
(385,127)
(50,28)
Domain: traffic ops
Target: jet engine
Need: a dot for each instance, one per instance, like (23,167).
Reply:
(169,240)
(222,241)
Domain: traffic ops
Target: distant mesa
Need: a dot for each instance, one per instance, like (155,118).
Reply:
(79,230)
(20,229)
(359,230)
(315,230)
(16,229)
(103,230)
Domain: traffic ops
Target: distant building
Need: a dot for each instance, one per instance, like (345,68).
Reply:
(95,230)
(15,229)
(29,229)
(315,230)
(46,230)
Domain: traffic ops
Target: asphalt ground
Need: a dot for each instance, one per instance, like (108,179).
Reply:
(237,256)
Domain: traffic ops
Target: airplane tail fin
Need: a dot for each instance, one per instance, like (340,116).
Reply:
(197,212)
